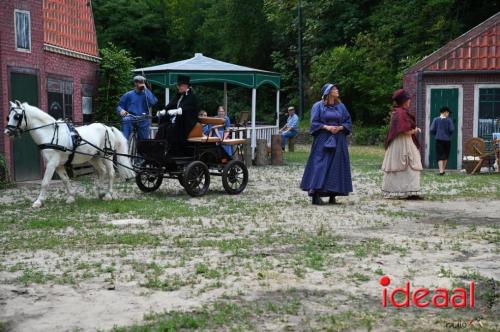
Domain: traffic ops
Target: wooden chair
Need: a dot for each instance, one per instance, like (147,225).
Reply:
(476,148)
(242,119)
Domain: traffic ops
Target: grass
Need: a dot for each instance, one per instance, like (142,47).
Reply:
(219,245)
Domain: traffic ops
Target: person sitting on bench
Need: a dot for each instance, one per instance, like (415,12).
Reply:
(290,129)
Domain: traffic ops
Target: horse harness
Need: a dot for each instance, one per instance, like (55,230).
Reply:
(76,140)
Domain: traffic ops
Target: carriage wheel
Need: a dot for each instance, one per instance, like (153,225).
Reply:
(235,177)
(196,179)
(148,181)
(180,177)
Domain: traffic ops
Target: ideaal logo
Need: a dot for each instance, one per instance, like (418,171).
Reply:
(424,297)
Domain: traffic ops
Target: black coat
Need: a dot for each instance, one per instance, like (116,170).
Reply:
(178,133)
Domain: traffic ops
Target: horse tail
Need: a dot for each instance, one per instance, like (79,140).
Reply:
(123,162)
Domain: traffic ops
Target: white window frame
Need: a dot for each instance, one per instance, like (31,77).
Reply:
(428,89)
(477,87)
(15,30)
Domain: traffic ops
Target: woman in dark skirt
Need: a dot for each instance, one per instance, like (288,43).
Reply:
(442,128)
(328,170)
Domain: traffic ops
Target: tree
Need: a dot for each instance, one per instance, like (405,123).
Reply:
(115,77)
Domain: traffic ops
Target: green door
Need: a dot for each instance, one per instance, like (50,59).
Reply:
(439,98)
(26,156)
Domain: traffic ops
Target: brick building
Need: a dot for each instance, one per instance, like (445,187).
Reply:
(49,58)
(465,76)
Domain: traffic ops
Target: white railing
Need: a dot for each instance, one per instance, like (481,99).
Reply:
(261,132)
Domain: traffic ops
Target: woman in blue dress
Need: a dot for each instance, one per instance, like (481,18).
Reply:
(221,113)
(328,170)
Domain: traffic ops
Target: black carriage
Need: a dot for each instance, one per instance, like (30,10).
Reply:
(193,163)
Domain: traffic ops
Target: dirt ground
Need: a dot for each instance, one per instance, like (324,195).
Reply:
(265,260)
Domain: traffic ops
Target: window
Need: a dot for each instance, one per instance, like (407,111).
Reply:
(60,98)
(489,112)
(87,90)
(22,30)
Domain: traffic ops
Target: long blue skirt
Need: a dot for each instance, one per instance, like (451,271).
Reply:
(328,171)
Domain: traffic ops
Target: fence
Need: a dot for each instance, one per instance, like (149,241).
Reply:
(262,132)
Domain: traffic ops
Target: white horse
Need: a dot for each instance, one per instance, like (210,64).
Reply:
(44,129)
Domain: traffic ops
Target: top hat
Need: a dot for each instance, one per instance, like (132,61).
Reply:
(183,79)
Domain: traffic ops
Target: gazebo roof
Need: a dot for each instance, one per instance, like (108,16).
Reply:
(202,69)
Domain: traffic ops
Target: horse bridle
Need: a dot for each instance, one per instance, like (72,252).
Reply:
(17,130)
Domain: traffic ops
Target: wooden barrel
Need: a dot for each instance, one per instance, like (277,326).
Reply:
(276,152)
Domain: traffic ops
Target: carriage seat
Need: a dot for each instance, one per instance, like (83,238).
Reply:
(196,135)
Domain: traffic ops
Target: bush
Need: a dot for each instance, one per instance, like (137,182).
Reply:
(115,79)
(363,135)
(4,173)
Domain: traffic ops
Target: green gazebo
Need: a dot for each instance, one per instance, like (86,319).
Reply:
(202,69)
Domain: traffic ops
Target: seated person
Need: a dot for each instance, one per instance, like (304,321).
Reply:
(206,127)
(290,129)
(221,113)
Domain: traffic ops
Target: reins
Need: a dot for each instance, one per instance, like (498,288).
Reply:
(77,140)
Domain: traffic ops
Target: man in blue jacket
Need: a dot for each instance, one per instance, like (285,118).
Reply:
(136,103)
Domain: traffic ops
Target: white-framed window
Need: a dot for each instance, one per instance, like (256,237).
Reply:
(22,28)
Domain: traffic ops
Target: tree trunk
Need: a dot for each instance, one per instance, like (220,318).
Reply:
(276,152)
(261,152)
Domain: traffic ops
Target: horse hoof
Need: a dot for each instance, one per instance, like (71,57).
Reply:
(38,204)
(70,200)
(107,197)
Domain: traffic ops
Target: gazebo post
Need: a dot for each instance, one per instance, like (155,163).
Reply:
(167,95)
(254,132)
(225,98)
(278,108)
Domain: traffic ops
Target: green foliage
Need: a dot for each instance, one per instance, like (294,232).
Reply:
(369,135)
(363,45)
(4,173)
(115,79)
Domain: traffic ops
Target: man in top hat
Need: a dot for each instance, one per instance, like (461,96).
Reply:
(136,102)
(290,129)
(184,107)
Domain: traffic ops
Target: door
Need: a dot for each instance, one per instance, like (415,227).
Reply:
(439,98)
(26,156)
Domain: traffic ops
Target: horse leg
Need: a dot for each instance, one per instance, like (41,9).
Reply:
(49,172)
(110,172)
(100,169)
(61,171)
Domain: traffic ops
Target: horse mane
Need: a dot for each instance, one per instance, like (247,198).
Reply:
(44,116)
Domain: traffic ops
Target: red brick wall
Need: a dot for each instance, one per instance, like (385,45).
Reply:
(76,70)
(10,58)
(40,62)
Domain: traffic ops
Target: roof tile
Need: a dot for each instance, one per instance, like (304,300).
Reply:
(69,24)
